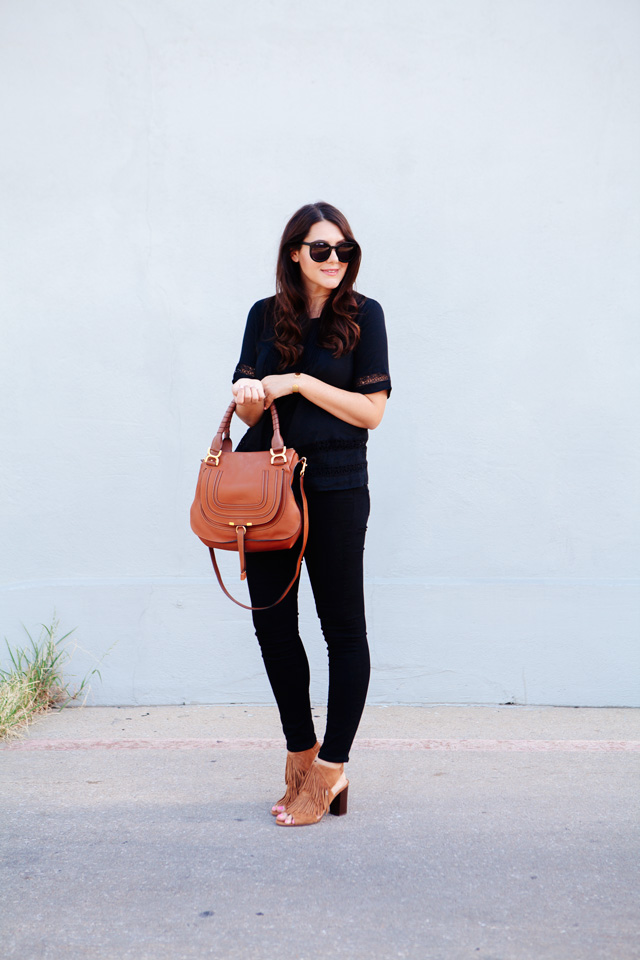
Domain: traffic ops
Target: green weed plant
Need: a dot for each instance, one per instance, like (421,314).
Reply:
(33,681)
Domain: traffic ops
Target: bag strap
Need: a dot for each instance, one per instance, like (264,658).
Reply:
(305,535)
(224,432)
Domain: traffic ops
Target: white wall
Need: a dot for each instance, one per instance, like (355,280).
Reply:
(486,153)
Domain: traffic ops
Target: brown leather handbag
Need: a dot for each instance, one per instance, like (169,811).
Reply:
(245,501)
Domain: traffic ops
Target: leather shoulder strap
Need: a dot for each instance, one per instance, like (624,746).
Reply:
(305,536)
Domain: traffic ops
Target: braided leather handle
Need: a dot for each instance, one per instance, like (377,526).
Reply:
(225,428)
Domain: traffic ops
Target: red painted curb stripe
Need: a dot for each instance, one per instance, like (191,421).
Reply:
(452,745)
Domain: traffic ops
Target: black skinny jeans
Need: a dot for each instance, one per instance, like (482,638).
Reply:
(334,559)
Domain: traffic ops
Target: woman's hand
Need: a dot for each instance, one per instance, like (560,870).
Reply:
(249,397)
(248,391)
(278,385)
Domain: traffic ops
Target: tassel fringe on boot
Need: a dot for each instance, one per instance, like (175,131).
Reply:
(295,771)
(324,789)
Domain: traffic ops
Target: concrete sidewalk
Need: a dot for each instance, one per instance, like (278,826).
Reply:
(498,833)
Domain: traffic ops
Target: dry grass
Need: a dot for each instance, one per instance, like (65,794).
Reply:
(33,681)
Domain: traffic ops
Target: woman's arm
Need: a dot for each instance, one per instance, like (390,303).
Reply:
(359,409)
(247,391)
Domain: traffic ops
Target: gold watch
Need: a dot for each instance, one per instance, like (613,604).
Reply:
(294,386)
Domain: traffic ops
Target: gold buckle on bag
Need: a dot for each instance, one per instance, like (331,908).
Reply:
(212,457)
(281,453)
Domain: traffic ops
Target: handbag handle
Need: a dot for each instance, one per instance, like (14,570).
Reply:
(224,433)
(305,535)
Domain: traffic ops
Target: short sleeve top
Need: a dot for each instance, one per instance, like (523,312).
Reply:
(336,451)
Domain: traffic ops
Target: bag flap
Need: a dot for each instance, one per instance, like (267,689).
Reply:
(245,488)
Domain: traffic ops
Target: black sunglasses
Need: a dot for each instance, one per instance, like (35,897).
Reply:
(320,251)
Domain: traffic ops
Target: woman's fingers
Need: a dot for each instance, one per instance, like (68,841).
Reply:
(256,393)
(248,391)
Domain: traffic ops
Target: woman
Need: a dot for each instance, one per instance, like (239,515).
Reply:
(320,350)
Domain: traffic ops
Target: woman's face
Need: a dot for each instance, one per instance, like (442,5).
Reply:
(327,275)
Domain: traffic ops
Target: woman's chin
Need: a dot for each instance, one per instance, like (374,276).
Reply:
(330,283)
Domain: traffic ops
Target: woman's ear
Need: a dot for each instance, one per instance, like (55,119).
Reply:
(295,256)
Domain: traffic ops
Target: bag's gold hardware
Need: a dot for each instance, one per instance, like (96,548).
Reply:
(281,453)
(212,457)
(303,461)
(232,523)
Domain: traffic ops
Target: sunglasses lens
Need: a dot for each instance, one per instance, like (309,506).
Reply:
(320,251)
(346,252)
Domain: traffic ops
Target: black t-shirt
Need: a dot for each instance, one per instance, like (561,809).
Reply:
(336,451)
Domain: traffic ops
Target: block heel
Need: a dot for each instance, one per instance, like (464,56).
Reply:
(338,806)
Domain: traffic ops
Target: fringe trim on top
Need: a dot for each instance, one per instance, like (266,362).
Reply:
(315,795)
(295,770)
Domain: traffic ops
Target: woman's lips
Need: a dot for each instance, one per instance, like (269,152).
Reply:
(331,273)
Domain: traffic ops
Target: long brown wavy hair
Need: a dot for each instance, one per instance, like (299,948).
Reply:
(338,330)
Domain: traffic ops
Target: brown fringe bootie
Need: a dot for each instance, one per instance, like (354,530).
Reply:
(323,789)
(295,771)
